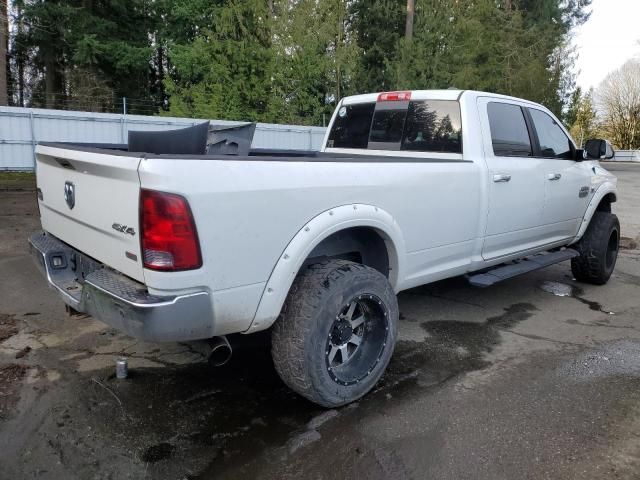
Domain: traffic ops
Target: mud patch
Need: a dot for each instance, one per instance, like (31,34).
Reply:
(23,352)
(155,453)
(627,243)
(8,327)
(10,379)
(183,420)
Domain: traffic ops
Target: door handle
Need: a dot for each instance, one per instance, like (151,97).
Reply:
(501,177)
(553,176)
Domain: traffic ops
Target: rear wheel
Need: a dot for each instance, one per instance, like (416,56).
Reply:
(598,250)
(336,333)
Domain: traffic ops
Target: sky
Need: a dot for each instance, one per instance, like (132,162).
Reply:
(607,40)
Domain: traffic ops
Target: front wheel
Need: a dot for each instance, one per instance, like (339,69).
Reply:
(598,250)
(336,333)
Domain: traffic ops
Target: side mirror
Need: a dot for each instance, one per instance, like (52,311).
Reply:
(598,149)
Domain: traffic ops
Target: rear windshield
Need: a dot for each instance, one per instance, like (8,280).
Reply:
(419,125)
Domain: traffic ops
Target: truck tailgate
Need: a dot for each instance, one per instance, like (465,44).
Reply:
(90,201)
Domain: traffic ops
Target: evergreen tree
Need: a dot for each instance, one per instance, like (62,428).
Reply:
(224,72)
(284,60)
(583,117)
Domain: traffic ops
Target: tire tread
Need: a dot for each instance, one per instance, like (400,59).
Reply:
(295,323)
(590,266)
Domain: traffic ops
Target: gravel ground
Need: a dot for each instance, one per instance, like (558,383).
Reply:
(537,377)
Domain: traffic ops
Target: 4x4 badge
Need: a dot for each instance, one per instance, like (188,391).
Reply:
(124,229)
(70,194)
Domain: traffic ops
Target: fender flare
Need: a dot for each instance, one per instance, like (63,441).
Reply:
(309,236)
(604,189)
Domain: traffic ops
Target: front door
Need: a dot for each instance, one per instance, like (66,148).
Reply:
(515,182)
(567,182)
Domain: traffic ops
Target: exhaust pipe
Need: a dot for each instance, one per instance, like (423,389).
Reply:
(220,351)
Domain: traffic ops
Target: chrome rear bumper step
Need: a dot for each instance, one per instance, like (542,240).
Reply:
(87,286)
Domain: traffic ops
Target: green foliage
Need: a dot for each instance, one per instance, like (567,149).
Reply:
(471,44)
(378,27)
(222,72)
(104,40)
(285,64)
(287,61)
(582,117)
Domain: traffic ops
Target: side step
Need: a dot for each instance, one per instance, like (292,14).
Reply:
(529,264)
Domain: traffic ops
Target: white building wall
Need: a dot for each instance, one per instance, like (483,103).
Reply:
(22,128)
(626,156)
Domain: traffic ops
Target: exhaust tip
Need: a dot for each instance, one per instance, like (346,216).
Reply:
(221,351)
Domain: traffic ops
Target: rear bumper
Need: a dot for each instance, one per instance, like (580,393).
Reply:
(117,300)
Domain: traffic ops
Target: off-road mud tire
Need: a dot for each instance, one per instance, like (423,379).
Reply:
(299,336)
(598,250)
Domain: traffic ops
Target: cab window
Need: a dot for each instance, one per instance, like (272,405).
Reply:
(554,143)
(509,133)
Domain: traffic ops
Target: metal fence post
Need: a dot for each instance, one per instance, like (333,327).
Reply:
(123,125)
(33,137)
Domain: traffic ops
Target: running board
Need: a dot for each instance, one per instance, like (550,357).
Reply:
(529,264)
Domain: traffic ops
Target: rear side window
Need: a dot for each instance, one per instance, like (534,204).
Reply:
(433,126)
(553,141)
(351,127)
(509,133)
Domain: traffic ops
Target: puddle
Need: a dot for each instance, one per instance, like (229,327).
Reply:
(470,339)
(560,289)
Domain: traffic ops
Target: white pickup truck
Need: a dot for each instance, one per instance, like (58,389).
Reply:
(409,188)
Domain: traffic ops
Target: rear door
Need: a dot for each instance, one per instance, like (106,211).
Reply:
(89,200)
(515,183)
(567,182)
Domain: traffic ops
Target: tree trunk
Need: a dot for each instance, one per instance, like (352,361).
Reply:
(50,82)
(160,64)
(4,42)
(408,28)
(20,61)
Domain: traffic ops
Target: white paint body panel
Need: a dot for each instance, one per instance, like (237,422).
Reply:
(106,192)
(258,221)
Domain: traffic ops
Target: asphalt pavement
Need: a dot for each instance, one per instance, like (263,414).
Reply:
(537,377)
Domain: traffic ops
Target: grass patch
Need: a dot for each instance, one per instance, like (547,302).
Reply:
(17,180)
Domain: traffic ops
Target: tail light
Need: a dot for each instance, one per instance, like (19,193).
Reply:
(168,232)
(394,97)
